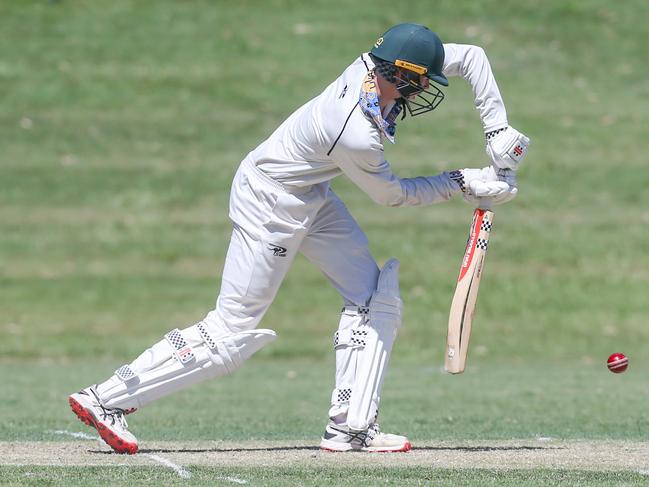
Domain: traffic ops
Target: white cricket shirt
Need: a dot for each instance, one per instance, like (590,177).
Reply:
(330,135)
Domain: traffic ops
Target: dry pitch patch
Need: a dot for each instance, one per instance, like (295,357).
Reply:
(499,455)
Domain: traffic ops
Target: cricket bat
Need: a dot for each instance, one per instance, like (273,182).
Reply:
(460,317)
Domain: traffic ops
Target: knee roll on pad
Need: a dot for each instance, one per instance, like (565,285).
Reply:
(182,358)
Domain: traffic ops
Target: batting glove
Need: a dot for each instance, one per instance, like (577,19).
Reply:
(506,147)
(483,187)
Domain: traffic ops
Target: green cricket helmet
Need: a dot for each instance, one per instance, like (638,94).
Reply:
(405,53)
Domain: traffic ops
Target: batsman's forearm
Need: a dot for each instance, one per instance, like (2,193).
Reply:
(428,190)
(385,188)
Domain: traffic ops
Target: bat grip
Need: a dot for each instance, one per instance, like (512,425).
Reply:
(485,204)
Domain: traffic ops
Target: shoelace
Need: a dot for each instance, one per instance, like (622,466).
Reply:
(115,415)
(373,431)
(358,436)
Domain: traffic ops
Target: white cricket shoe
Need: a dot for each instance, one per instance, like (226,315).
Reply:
(340,438)
(109,423)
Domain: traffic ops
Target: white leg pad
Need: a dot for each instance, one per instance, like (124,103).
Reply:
(385,311)
(349,340)
(181,359)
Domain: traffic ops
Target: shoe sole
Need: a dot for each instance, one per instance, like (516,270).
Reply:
(326,445)
(111,439)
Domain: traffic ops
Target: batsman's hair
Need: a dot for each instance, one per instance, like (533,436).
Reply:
(384,68)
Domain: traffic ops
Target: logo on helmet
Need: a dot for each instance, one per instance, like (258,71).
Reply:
(378,42)
(411,66)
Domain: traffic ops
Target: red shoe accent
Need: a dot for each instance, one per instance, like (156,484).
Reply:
(111,439)
(405,448)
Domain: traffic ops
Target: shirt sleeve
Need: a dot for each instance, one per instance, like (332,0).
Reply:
(368,169)
(471,63)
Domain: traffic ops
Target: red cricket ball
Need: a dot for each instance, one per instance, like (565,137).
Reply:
(617,363)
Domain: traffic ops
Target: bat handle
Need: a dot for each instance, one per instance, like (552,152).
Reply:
(485,204)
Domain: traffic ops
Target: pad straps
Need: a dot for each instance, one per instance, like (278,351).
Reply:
(182,350)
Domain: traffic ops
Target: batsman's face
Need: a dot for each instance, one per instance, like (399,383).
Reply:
(410,84)
(420,95)
(424,82)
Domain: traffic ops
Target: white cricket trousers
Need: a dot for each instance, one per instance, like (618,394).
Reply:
(270,225)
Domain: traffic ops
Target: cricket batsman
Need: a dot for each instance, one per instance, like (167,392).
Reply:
(281,203)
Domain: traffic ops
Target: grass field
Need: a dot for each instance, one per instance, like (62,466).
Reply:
(121,126)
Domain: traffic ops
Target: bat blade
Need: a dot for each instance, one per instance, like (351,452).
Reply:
(460,317)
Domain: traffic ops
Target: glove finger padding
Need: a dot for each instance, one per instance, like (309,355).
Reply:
(488,188)
(489,201)
(505,197)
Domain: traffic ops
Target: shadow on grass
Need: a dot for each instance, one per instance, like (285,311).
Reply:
(317,448)
(486,448)
(213,450)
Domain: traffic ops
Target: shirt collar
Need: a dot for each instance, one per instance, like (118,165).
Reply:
(369,103)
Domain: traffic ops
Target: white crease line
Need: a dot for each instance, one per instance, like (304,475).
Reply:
(168,463)
(177,468)
(75,434)
(180,470)
(233,479)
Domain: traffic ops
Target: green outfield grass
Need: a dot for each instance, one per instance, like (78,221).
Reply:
(121,126)
(312,477)
(288,399)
